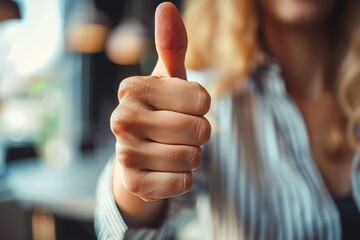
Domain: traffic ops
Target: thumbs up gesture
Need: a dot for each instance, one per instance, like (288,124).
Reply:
(159,123)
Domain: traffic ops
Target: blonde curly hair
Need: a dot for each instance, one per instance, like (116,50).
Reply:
(224,35)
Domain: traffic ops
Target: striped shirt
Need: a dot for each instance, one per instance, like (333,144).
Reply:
(258,179)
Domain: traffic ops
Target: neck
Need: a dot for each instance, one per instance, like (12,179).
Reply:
(301,53)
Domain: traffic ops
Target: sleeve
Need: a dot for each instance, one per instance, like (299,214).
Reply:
(108,222)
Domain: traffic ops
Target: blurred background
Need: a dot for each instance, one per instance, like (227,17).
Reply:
(61,62)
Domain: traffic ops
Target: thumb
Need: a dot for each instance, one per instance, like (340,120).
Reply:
(171,42)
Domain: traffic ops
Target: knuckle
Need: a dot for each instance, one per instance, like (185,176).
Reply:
(125,156)
(124,139)
(113,122)
(123,119)
(138,88)
(203,131)
(127,86)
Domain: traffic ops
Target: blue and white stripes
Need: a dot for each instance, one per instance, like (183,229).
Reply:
(108,221)
(262,182)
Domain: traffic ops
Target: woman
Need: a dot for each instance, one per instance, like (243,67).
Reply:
(282,162)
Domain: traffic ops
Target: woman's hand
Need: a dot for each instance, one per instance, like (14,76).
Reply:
(159,123)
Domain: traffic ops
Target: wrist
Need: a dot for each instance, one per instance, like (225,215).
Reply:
(135,211)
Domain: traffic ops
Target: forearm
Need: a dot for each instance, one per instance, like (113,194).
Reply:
(136,212)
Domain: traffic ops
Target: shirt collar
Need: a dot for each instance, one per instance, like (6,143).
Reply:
(267,77)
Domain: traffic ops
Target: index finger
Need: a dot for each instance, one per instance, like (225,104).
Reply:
(178,95)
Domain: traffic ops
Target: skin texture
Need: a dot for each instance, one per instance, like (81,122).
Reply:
(159,125)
